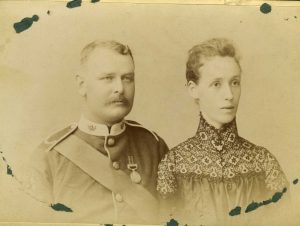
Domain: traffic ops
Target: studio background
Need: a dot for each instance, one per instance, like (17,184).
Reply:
(38,92)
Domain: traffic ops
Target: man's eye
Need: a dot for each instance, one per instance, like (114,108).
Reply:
(236,83)
(106,78)
(128,79)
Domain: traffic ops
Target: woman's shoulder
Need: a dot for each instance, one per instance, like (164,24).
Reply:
(250,146)
(184,148)
(262,154)
(185,145)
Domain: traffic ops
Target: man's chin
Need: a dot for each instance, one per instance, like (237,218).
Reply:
(117,116)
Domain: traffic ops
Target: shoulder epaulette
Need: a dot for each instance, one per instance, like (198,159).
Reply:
(135,124)
(58,136)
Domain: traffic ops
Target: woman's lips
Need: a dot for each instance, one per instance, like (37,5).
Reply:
(228,107)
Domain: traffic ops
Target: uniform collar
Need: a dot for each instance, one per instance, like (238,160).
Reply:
(97,129)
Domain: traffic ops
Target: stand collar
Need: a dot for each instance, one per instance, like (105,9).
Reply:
(226,135)
(97,129)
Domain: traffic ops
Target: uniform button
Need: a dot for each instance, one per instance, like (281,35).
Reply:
(119,197)
(111,141)
(116,165)
(73,126)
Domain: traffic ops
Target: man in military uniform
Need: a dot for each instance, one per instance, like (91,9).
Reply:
(102,169)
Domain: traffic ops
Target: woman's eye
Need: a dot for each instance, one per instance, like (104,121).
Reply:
(216,84)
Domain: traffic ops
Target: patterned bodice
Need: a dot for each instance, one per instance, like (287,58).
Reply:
(217,160)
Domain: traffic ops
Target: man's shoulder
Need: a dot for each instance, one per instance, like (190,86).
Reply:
(55,138)
(141,130)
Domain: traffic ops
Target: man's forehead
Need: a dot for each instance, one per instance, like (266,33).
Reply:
(108,61)
(102,53)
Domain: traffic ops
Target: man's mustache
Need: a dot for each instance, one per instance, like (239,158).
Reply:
(118,99)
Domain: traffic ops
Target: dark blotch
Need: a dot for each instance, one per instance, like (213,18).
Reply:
(61,207)
(235,211)
(108,224)
(25,23)
(9,171)
(267,202)
(265,8)
(74,3)
(48,12)
(172,222)
(295,181)
(4,159)
(94,1)
(252,206)
(277,196)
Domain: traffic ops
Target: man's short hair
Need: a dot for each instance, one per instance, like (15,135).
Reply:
(111,45)
(210,48)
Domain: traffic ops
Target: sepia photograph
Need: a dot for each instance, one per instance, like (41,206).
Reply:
(149,113)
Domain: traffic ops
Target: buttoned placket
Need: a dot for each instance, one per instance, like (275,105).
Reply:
(118,199)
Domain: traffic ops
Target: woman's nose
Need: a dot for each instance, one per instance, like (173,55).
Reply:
(228,94)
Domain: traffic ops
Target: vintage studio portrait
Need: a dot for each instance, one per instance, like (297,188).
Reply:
(145,114)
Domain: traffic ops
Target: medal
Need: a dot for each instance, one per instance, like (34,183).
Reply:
(134,175)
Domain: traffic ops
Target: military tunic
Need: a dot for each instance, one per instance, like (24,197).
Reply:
(89,175)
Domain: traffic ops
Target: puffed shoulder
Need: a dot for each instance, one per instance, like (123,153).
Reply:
(248,145)
(137,125)
(52,140)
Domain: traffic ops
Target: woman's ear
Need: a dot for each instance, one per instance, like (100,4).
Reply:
(193,90)
(81,85)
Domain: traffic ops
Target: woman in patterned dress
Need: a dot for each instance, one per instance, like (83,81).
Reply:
(216,170)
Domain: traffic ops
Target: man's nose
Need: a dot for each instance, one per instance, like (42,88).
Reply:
(118,86)
(228,94)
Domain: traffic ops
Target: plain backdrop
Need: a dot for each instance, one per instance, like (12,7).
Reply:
(38,93)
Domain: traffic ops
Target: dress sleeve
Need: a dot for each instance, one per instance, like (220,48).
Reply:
(275,177)
(166,183)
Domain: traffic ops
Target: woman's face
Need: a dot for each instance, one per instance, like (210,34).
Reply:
(218,90)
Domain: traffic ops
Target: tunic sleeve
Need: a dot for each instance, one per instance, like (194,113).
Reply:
(275,178)
(38,178)
(166,184)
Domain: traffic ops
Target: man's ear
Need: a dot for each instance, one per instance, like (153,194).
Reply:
(81,85)
(193,90)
